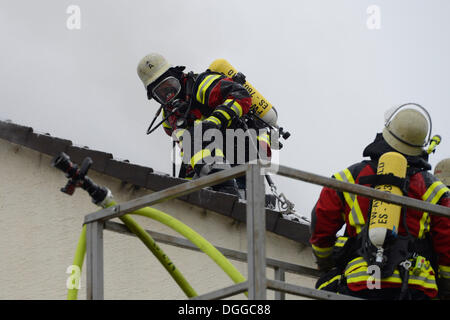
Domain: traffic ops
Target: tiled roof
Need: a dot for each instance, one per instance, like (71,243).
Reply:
(145,177)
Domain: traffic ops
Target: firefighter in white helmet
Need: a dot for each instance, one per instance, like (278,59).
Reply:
(407,130)
(414,266)
(188,100)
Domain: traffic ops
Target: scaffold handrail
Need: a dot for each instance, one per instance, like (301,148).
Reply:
(257,283)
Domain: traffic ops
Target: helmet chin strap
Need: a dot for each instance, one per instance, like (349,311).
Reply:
(406,142)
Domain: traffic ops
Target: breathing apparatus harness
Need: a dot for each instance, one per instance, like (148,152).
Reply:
(402,252)
(284,205)
(240,78)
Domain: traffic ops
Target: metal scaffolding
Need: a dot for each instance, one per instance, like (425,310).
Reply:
(257,282)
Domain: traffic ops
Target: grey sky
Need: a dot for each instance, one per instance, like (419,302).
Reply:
(328,75)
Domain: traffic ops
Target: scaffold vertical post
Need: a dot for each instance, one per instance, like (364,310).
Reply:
(280,275)
(94,260)
(256,233)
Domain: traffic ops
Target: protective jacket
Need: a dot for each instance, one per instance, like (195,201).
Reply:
(217,101)
(334,209)
(212,92)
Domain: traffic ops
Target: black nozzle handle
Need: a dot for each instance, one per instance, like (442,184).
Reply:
(85,166)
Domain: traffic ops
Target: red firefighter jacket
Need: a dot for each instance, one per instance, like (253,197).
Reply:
(213,91)
(334,209)
(219,100)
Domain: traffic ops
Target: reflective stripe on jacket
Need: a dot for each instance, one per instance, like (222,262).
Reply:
(215,93)
(334,209)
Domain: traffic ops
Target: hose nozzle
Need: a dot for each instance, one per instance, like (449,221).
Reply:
(78,177)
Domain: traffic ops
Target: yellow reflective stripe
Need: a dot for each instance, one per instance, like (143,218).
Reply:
(322,252)
(349,176)
(213,119)
(360,276)
(354,264)
(427,194)
(335,278)
(204,85)
(356,217)
(265,138)
(340,176)
(434,192)
(236,107)
(428,282)
(424,225)
(340,242)
(356,271)
(226,115)
(442,189)
(444,271)
(363,276)
(199,156)
(432,195)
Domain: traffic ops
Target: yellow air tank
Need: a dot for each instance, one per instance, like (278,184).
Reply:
(385,217)
(262,107)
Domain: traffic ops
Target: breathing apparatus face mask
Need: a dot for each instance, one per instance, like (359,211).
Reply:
(166,90)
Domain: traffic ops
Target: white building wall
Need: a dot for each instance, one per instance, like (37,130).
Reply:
(40,227)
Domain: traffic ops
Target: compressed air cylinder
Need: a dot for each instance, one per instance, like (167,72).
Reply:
(385,217)
(262,107)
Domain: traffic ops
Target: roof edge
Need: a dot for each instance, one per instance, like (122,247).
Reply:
(103,162)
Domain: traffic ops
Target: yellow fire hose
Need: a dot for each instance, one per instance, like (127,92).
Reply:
(72,294)
(195,238)
(176,225)
(134,227)
(159,254)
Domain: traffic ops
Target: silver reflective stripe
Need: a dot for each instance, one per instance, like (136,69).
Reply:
(205,84)
(358,274)
(365,274)
(423,279)
(353,263)
(437,190)
(444,274)
(395,275)
(352,205)
(355,216)
(322,252)
(434,192)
